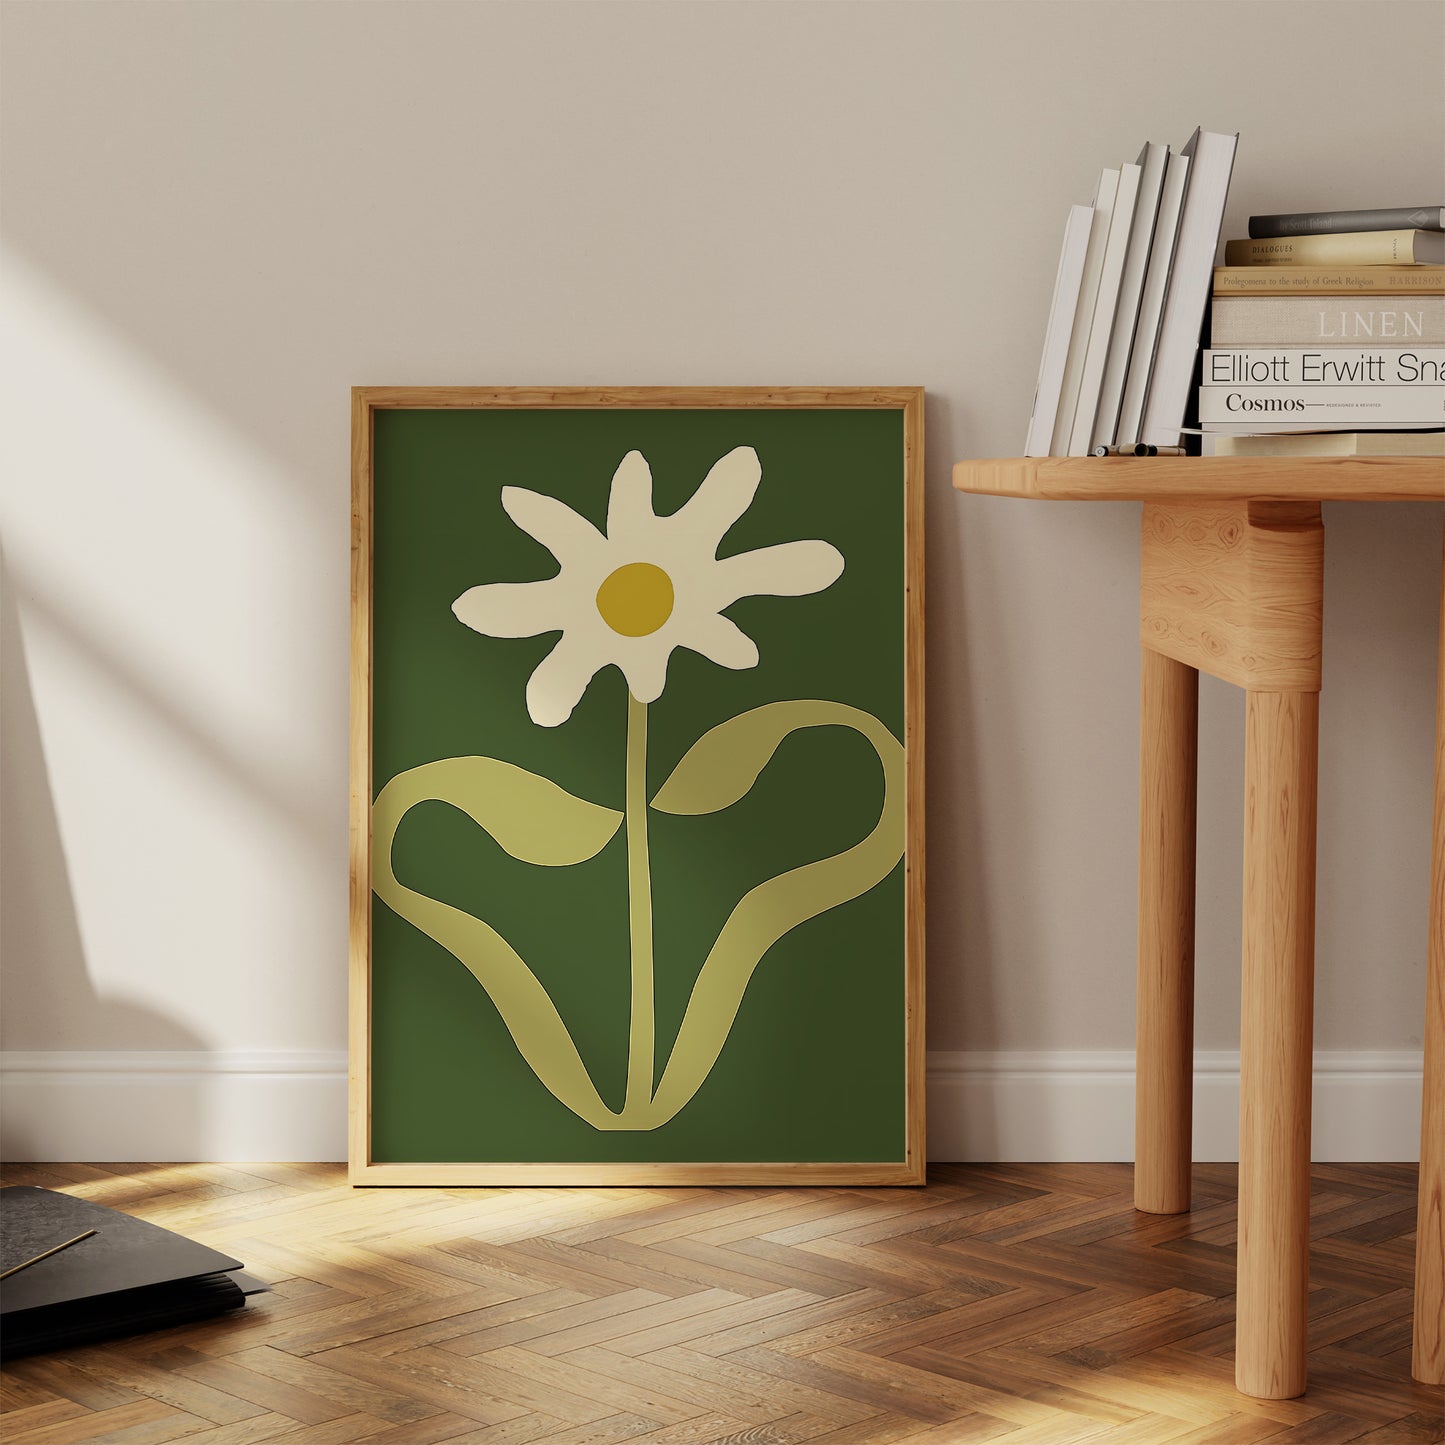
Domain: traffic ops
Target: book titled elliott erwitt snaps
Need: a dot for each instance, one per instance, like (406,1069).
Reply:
(1332,366)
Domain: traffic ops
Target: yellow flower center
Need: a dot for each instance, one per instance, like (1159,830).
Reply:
(636,599)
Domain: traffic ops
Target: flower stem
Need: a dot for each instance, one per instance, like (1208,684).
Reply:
(641,1042)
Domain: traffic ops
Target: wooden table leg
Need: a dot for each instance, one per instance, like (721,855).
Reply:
(1164,1025)
(1236,589)
(1428,1359)
(1276,1038)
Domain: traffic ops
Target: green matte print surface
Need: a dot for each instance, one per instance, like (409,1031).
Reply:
(506,874)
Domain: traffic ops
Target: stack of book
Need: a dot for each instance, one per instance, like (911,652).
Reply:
(1327,337)
(1129,302)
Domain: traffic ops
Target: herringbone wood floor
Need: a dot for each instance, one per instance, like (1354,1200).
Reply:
(1018,1303)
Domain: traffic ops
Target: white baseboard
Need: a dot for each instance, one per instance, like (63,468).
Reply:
(226,1105)
(1055,1106)
(1007,1107)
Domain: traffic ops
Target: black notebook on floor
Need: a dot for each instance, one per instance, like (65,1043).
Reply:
(129,1275)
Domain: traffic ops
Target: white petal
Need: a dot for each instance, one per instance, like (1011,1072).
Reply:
(629,505)
(644,665)
(567,535)
(559,680)
(791,569)
(725,494)
(720,640)
(512,609)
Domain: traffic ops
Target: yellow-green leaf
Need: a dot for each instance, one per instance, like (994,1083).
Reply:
(530,816)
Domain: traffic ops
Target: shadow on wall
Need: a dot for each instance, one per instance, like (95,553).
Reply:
(47,988)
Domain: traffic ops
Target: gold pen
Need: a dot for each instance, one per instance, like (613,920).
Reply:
(54,1249)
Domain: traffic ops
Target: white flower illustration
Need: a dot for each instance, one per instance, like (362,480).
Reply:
(650,585)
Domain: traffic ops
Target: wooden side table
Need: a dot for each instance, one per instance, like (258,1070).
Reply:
(1231,583)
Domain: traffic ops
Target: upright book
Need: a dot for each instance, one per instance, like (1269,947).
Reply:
(1151,303)
(1211,166)
(1101,330)
(1056,339)
(1152,162)
(1104,198)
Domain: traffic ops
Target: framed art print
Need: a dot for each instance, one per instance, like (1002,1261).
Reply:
(637,786)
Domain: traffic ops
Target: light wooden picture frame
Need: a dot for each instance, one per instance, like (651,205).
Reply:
(668,928)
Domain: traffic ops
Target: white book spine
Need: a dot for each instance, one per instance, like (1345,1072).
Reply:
(1056,338)
(1152,160)
(1084,313)
(1151,304)
(1189,284)
(1102,329)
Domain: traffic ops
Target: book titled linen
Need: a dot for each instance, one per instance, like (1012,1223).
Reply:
(1328,366)
(1320,321)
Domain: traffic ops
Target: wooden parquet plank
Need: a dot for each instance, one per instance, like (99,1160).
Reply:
(1409,1430)
(429,1430)
(865,1328)
(488,1379)
(351,1395)
(263,1391)
(888,1428)
(672,1261)
(445,1327)
(561,1377)
(595,1270)
(785,1395)
(1003,1375)
(863,1222)
(139,1423)
(1026,1304)
(709,1322)
(738,1218)
(773,1326)
(256,1430)
(56,1373)
(517,1326)
(114,1365)
(900,1377)
(610,1431)
(619,1323)
(922,1398)
(25,1419)
(703,1395)
(427,1375)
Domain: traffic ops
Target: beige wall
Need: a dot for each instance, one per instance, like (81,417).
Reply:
(219,216)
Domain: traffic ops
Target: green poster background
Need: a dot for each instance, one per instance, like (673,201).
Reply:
(813,1069)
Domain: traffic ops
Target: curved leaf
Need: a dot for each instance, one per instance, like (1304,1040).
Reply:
(529,816)
(537,822)
(715,772)
(724,763)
